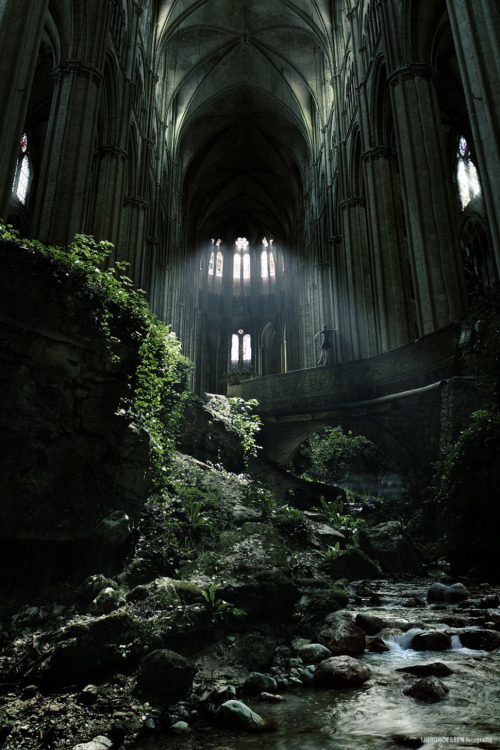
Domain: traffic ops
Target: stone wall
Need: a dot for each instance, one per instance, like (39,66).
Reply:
(70,454)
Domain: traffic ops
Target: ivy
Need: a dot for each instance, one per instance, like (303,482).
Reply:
(121,314)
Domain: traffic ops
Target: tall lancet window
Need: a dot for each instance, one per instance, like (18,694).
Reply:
(241,261)
(467,176)
(267,262)
(23,175)
(241,349)
(216,262)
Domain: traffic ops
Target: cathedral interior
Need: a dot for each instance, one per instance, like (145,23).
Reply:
(264,167)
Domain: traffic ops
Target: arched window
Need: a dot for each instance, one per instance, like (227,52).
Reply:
(235,350)
(241,260)
(467,176)
(267,263)
(237,267)
(246,267)
(23,174)
(216,262)
(219,267)
(272,265)
(241,349)
(263,265)
(247,349)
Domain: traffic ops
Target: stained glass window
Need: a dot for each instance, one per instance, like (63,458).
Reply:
(235,349)
(220,261)
(263,265)
(467,175)
(246,267)
(272,265)
(211,263)
(247,349)
(241,349)
(22,177)
(23,181)
(237,267)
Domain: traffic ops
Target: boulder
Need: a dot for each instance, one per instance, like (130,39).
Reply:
(315,604)
(341,671)
(106,601)
(431,640)
(440,592)
(256,682)
(482,640)
(393,548)
(371,624)
(98,743)
(436,668)
(237,715)
(341,635)
(93,585)
(427,690)
(166,673)
(312,653)
(377,646)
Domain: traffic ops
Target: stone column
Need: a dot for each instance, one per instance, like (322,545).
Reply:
(476,30)
(63,190)
(385,233)
(135,212)
(21,27)
(359,325)
(430,211)
(109,199)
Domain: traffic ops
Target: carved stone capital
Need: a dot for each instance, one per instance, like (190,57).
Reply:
(412,71)
(354,202)
(114,152)
(378,152)
(78,69)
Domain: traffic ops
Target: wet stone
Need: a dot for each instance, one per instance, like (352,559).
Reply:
(436,668)
(427,690)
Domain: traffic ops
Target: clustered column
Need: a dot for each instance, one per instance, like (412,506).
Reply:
(386,244)
(431,216)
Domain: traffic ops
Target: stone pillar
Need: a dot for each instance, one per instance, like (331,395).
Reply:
(390,292)
(476,31)
(359,334)
(109,199)
(135,214)
(65,175)
(21,27)
(430,211)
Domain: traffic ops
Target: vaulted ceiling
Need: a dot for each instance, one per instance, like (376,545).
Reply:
(244,86)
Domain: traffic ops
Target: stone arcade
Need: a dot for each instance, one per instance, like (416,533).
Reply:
(263,166)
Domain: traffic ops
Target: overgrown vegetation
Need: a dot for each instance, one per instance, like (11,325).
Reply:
(334,456)
(465,505)
(158,388)
(241,419)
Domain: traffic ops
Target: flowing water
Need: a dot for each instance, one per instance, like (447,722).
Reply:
(379,716)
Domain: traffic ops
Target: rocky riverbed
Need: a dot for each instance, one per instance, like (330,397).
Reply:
(239,612)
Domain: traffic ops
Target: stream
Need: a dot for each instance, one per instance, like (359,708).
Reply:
(378,715)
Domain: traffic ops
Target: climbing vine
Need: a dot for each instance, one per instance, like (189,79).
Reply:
(120,313)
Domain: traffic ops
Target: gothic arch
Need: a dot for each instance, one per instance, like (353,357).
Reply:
(270,349)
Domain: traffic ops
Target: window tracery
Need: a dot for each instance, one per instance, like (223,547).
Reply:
(467,175)
(23,173)
(241,349)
